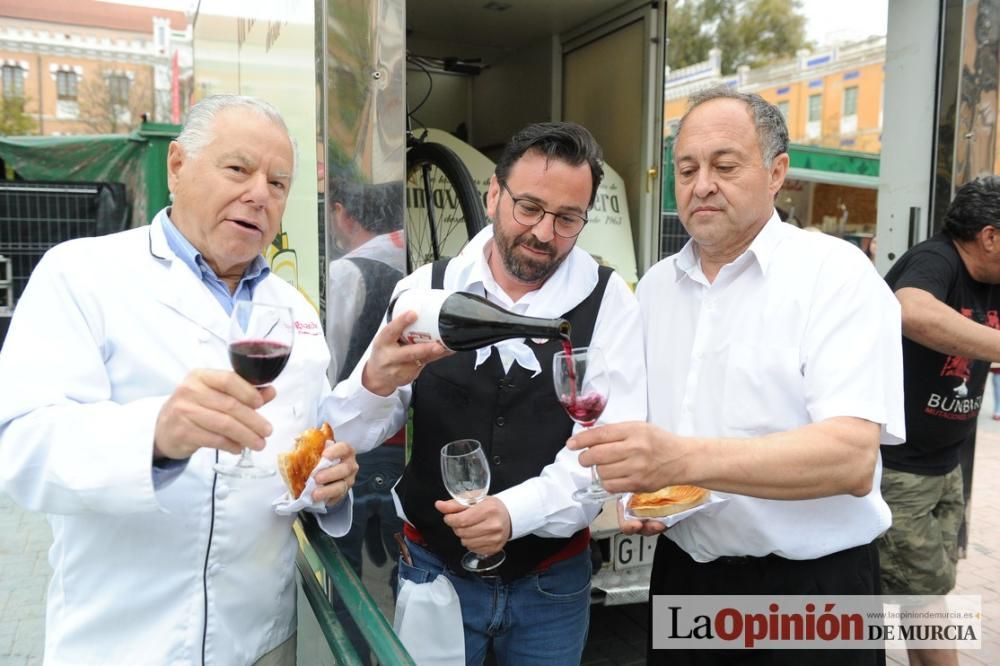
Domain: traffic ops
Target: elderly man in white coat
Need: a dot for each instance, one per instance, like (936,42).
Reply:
(117,400)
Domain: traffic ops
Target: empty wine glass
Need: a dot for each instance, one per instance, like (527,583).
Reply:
(466,475)
(260,342)
(583,385)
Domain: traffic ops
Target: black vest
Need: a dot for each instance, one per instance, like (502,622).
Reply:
(517,418)
(379,279)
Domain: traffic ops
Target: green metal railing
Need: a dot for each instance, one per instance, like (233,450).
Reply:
(339,578)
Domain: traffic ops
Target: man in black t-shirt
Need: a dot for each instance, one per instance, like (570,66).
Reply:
(950,322)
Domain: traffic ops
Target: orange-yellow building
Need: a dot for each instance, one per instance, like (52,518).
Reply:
(831,98)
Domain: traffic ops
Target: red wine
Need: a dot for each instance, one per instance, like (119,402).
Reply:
(259,361)
(567,348)
(463,322)
(584,409)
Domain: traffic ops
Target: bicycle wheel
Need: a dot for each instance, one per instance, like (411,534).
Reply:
(444,209)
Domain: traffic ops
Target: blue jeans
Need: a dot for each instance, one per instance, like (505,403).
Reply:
(541,618)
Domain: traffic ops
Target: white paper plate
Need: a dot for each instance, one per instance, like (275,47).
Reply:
(712,505)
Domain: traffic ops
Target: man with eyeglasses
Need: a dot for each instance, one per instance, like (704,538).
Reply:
(534,608)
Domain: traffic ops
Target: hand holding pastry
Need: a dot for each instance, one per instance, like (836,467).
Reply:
(641,526)
(333,481)
(666,501)
(652,513)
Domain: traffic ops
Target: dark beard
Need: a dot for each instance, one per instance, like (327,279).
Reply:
(524,269)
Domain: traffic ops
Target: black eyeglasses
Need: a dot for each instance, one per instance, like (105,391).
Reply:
(528,213)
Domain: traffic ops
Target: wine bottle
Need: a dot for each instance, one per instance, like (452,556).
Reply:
(463,322)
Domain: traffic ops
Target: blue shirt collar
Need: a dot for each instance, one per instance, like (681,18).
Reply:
(191,257)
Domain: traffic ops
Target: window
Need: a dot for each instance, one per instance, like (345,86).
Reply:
(118,89)
(815,108)
(814,121)
(66,86)
(849,118)
(13,82)
(851,101)
(67,89)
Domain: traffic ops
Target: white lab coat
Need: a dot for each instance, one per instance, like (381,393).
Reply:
(103,334)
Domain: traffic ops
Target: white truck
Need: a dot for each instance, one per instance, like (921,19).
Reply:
(476,74)
(351,76)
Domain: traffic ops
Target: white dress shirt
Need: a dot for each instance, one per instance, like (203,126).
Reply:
(798,329)
(541,505)
(198,567)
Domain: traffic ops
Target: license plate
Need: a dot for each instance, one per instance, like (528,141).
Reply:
(628,551)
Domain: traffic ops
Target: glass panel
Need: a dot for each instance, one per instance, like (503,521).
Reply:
(361,56)
(268,50)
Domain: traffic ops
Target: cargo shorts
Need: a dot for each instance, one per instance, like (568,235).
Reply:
(918,554)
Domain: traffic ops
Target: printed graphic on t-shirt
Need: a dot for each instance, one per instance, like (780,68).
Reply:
(958,406)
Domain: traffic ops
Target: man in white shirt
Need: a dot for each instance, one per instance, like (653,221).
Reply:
(533,609)
(775,371)
(118,399)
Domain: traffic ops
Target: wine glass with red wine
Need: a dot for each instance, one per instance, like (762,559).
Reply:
(260,342)
(583,384)
(466,475)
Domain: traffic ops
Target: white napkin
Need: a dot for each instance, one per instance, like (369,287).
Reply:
(428,621)
(286,505)
(511,351)
(712,505)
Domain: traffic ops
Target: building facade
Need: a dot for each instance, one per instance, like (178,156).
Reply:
(832,101)
(91,67)
(831,98)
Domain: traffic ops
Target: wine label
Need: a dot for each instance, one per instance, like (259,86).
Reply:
(427,304)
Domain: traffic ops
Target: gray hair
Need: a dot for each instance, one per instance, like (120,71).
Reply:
(976,205)
(198,130)
(772,132)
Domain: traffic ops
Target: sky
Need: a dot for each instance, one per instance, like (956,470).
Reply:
(826,20)
(844,20)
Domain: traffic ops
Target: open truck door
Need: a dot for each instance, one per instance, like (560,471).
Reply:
(612,83)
